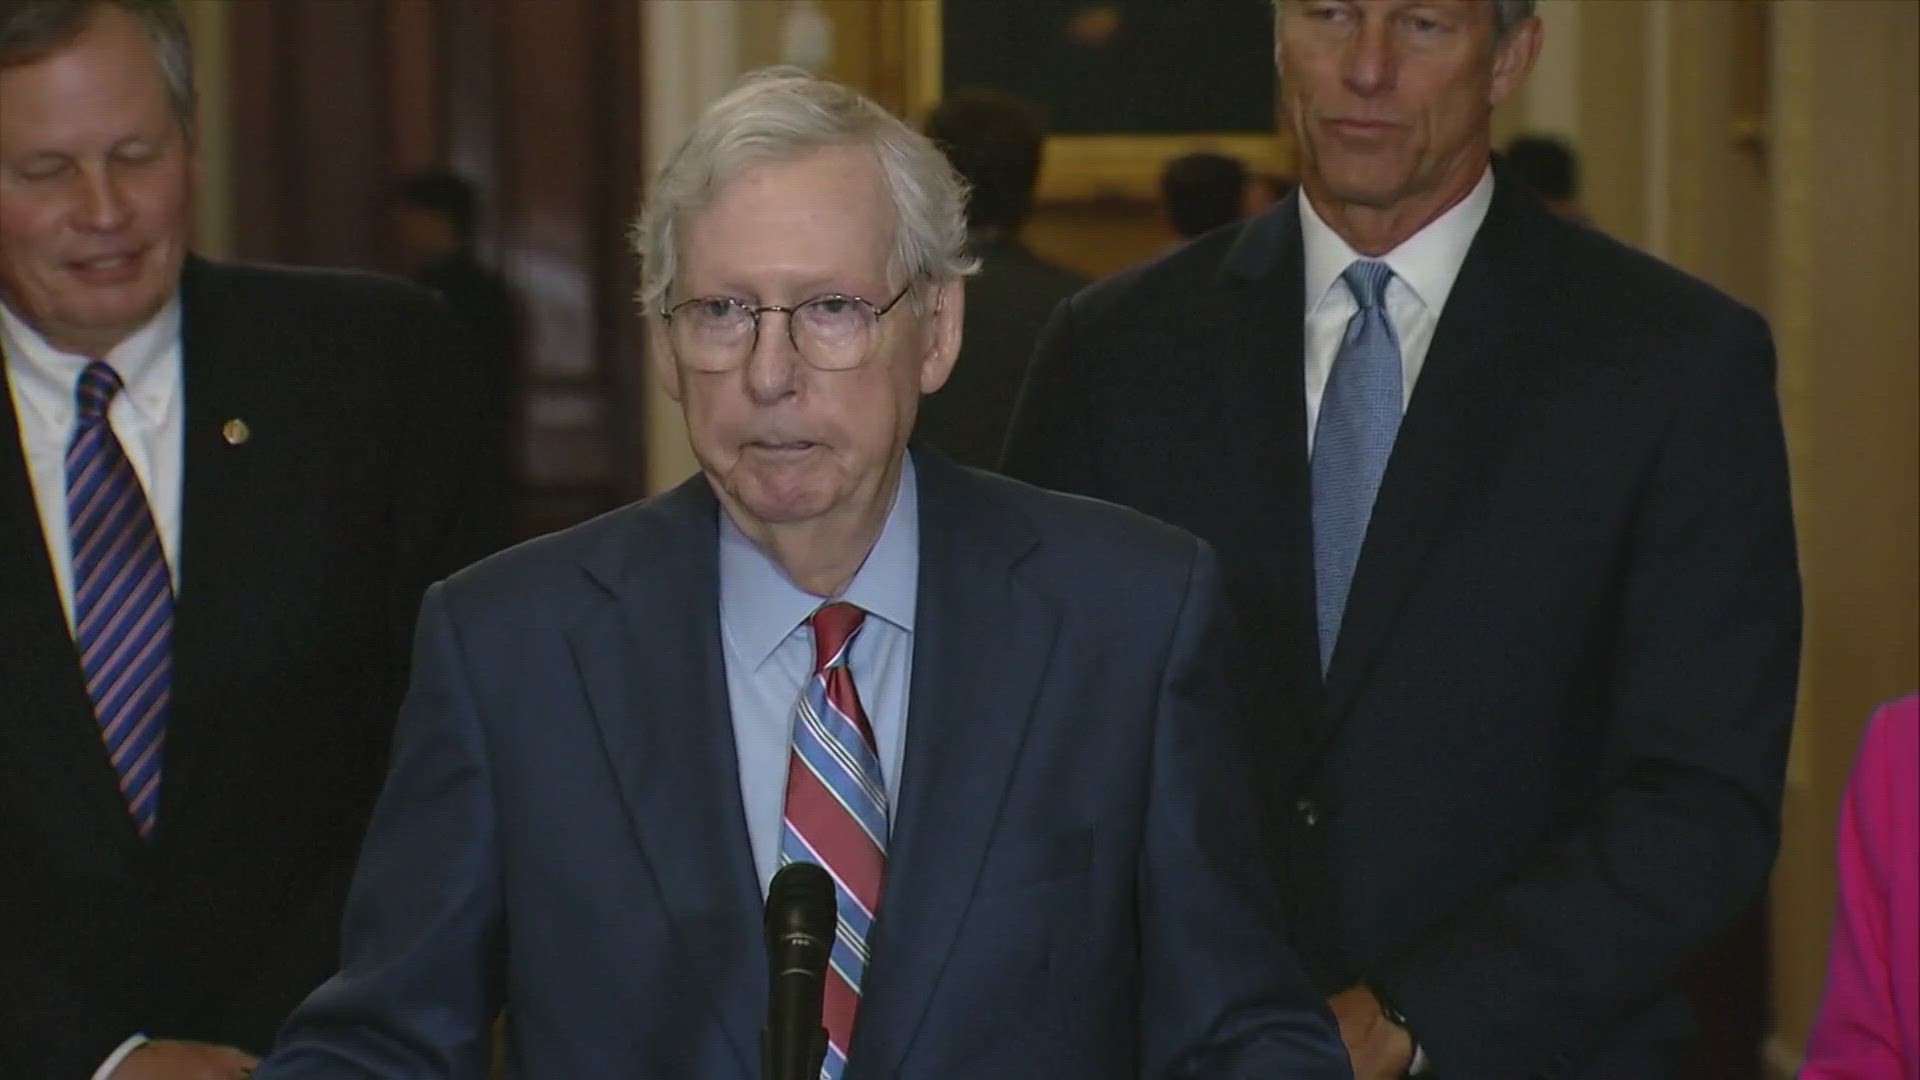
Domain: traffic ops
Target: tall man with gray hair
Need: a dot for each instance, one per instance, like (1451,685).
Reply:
(1502,507)
(995,715)
(223,491)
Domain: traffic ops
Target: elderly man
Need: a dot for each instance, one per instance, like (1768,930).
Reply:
(223,490)
(1502,506)
(994,714)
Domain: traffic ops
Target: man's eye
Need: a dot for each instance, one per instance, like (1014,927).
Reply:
(833,307)
(43,170)
(715,310)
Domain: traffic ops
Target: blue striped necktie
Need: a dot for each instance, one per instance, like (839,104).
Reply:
(836,815)
(122,598)
(1359,417)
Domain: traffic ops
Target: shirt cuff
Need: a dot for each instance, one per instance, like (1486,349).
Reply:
(107,1067)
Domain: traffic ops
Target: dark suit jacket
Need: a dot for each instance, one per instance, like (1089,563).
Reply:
(1073,886)
(303,555)
(1008,302)
(1544,767)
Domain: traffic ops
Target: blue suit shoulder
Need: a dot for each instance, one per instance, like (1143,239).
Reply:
(549,576)
(1083,543)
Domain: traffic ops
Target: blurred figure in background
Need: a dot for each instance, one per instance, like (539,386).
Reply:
(1869,1022)
(994,140)
(1202,191)
(436,216)
(1549,168)
(223,490)
(436,220)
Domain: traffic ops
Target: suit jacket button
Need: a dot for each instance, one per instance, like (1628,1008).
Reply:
(1308,811)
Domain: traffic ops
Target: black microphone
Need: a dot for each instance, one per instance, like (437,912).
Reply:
(801,915)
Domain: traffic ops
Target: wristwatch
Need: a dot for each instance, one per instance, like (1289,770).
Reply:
(1420,1066)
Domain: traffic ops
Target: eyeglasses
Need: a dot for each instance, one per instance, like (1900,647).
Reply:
(832,332)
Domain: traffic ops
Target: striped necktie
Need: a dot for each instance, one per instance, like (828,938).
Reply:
(836,814)
(122,598)
(1359,418)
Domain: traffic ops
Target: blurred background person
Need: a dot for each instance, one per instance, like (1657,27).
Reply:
(1550,169)
(1868,1027)
(435,222)
(436,214)
(1202,191)
(994,140)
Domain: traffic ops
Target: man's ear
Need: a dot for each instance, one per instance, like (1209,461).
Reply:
(666,371)
(943,334)
(1513,57)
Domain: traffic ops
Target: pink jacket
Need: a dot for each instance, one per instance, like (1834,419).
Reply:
(1869,1022)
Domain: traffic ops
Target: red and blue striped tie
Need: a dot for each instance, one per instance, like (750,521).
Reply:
(122,598)
(837,814)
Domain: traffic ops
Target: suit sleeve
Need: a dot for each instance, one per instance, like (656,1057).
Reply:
(1048,444)
(1544,967)
(422,940)
(1224,996)
(449,507)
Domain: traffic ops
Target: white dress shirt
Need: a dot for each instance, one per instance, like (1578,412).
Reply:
(148,417)
(1424,268)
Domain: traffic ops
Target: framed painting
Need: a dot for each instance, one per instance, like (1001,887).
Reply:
(1124,85)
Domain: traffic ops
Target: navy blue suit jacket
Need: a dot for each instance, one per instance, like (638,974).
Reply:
(1075,886)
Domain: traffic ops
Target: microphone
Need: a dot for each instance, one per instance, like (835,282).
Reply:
(801,915)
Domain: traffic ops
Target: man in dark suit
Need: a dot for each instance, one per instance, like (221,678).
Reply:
(994,714)
(223,490)
(994,140)
(1502,506)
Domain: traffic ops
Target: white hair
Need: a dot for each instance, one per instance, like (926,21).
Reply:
(782,113)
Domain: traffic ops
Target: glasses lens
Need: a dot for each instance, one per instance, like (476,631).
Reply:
(711,333)
(834,332)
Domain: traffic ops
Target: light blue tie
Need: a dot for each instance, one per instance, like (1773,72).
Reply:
(1359,416)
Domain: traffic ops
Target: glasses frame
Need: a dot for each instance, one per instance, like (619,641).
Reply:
(754,311)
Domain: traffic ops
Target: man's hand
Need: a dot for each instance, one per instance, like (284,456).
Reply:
(1380,1049)
(165,1060)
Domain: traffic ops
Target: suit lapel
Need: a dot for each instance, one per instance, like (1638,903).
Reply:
(223,560)
(650,660)
(1264,285)
(1457,416)
(43,695)
(981,645)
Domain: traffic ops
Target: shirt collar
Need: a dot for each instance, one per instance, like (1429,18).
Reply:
(47,376)
(1428,261)
(760,606)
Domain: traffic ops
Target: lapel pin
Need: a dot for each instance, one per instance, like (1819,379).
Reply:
(235,431)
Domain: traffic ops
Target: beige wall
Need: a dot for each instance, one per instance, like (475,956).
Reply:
(1845,267)
(1813,223)
(213,206)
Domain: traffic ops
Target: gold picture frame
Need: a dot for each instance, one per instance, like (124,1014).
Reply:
(1087,168)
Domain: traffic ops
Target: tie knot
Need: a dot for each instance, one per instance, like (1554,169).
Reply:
(98,384)
(1367,280)
(833,626)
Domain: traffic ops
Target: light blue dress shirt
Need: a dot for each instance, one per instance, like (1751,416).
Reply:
(769,656)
